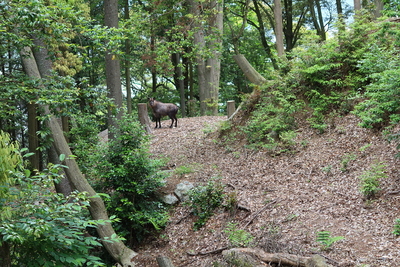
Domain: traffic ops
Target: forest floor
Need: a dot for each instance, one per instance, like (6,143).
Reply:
(316,188)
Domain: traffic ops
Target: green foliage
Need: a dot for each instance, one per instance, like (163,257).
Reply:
(10,160)
(238,237)
(203,200)
(381,104)
(326,240)
(346,159)
(186,169)
(396,227)
(272,122)
(370,179)
(125,169)
(45,228)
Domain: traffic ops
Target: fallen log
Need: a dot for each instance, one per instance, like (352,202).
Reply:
(279,258)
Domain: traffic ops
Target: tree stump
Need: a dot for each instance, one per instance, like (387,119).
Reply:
(230,108)
(144,117)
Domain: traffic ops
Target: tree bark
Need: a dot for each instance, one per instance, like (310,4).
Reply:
(209,69)
(248,70)
(144,117)
(113,70)
(178,79)
(97,209)
(278,27)
(5,258)
(33,139)
(128,66)
(45,65)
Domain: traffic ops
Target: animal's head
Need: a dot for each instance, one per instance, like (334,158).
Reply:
(151,101)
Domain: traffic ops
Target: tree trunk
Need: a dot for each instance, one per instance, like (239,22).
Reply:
(45,66)
(113,74)
(33,139)
(357,5)
(179,82)
(144,117)
(378,8)
(208,70)
(128,66)
(199,43)
(5,258)
(261,30)
(213,64)
(278,27)
(248,70)
(97,209)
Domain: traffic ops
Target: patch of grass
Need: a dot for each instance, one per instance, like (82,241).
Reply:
(238,237)
(346,159)
(370,180)
(186,169)
(396,227)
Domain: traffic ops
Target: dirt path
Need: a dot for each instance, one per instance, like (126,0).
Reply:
(315,189)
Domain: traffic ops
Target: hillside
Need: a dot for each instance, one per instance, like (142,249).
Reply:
(314,189)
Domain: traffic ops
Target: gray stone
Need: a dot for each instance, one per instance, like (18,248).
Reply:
(170,199)
(182,190)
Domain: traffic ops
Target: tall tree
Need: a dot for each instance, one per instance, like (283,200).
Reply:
(97,209)
(127,64)
(208,66)
(278,27)
(113,69)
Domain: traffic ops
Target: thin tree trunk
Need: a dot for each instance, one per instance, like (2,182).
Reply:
(128,66)
(5,258)
(33,139)
(278,27)
(97,209)
(113,70)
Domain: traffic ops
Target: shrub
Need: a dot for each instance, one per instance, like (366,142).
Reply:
(272,122)
(127,172)
(370,180)
(238,237)
(46,229)
(396,228)
(203,200)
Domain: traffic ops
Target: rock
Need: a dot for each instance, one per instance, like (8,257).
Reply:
(170,199)
(182,190)
(316,261)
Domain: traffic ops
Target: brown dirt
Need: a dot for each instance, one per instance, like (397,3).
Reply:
(308,198)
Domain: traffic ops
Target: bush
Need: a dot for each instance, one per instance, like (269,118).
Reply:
(273,119)
(380,101)
(370,180)
(126,171)
(45,228)
(238,237)
(203,200)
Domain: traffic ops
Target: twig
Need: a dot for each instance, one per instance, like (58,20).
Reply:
(258,212)
(218,250)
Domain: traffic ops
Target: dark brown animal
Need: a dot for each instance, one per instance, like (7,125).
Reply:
(163,109)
